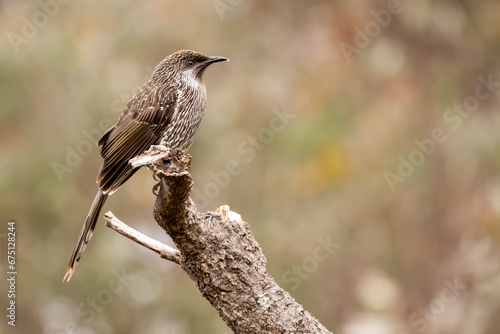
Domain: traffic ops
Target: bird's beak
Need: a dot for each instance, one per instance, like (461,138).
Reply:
(216,59)
(202,66)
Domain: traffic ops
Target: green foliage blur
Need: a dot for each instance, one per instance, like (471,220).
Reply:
(365,136)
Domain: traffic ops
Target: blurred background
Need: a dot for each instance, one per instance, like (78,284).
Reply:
(365,135)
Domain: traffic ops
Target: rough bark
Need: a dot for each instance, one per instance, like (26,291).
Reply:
(220,254)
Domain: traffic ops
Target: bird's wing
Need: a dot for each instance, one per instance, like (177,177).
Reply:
(140,125)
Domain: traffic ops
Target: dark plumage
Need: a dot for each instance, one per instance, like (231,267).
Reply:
(168,109)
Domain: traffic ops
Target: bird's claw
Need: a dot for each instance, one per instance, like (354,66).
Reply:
(156,189)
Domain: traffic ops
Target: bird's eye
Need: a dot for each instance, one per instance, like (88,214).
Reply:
(190,63)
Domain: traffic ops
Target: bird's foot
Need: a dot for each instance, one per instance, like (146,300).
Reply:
(156,187)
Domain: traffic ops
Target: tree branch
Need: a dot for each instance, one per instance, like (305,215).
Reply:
(220,254)
(166,252)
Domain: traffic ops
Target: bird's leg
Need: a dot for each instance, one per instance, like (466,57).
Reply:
(156,187)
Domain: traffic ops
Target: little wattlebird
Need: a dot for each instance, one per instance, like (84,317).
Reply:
(167,110)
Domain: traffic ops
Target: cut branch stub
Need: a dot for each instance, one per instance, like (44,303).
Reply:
(173,196)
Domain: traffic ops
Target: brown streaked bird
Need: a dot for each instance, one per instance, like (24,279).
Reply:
(167,110)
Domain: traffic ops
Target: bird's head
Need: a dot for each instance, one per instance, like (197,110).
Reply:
(185,63)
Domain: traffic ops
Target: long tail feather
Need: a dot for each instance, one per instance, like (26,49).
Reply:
(86,233)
